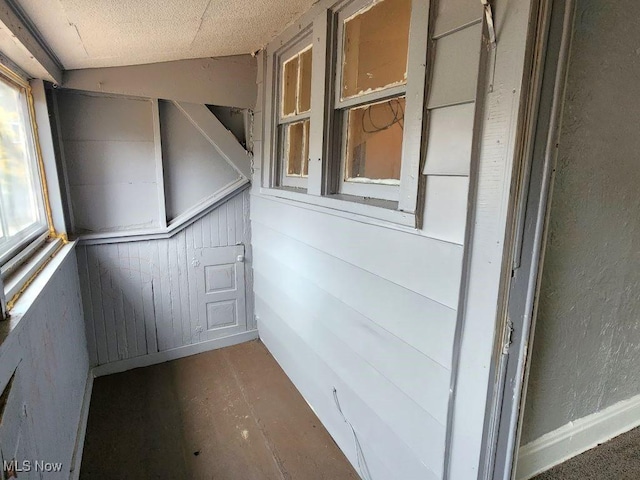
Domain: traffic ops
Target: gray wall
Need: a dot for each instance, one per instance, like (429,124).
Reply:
(109,154)
(49,348)
(586,352)
(193,168)
(138,297)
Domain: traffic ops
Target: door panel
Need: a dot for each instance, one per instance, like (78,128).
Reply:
(219,275)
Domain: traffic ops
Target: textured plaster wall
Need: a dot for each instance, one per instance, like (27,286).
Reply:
(586,354)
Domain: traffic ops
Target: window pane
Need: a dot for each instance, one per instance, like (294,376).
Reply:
(296,148)
(19,179)
(304,99)
(374,142)
(289,86)
(376,42)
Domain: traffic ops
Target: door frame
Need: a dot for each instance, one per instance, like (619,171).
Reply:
(511,361)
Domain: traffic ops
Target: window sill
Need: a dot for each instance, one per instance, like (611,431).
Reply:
(21,275)
(23,304)
(367,210)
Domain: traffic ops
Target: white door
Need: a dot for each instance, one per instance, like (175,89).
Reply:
(220,287)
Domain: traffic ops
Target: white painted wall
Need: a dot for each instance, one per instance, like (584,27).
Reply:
(586,349)
(367,307)
(48,348)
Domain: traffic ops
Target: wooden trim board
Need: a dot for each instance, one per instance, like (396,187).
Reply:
(173,354)
(577,437)
(76,459)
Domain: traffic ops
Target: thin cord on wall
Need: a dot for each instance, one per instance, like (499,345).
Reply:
(362,462)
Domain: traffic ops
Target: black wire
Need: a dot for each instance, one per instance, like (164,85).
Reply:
(398,117)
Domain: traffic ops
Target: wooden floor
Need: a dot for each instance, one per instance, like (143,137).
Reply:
(227,414)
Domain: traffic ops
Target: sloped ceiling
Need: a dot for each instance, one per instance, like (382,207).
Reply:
(106,33)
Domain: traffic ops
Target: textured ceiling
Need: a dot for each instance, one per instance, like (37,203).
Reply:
(105,33)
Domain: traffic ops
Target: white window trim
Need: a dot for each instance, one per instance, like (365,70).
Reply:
(325,156)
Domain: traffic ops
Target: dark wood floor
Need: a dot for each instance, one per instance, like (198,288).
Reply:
(227,414)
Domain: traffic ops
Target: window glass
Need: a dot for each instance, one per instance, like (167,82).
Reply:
(376,42)
(296,84)
(294,119)
(304,98)
(21,205)
(297,148)
(290,86)
(374,142)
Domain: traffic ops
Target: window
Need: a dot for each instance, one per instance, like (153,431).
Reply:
(375,43)
(22,211)
(294,118)
(361,144)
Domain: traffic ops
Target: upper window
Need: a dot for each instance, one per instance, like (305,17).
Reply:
(22,212)
(371,101)
(363,140)
(294,118)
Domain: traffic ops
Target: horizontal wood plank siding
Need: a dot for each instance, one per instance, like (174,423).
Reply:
(423,265)
(366,307)
(137,296)
(385,455)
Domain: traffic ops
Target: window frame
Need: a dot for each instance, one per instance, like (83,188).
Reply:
(16,268)
(342,107)
(326,138)
(296,49)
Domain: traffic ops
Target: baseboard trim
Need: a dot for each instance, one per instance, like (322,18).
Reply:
(173,354)
(577,437)
(76,458)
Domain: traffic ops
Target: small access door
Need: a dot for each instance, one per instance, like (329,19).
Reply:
(220,287)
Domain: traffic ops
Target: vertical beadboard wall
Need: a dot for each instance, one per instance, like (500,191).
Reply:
(370,309)
(137,296)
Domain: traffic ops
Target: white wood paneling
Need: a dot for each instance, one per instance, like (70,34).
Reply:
(138,296)
(386,354)
(455,70)
(384,454)
(450,139)
(416,428)
(453,15)
(370,308)
(328,291)
(497,136)
(391,254)
(367,294)
(445,208)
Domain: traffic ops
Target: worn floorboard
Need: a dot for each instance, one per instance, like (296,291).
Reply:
(227,414)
